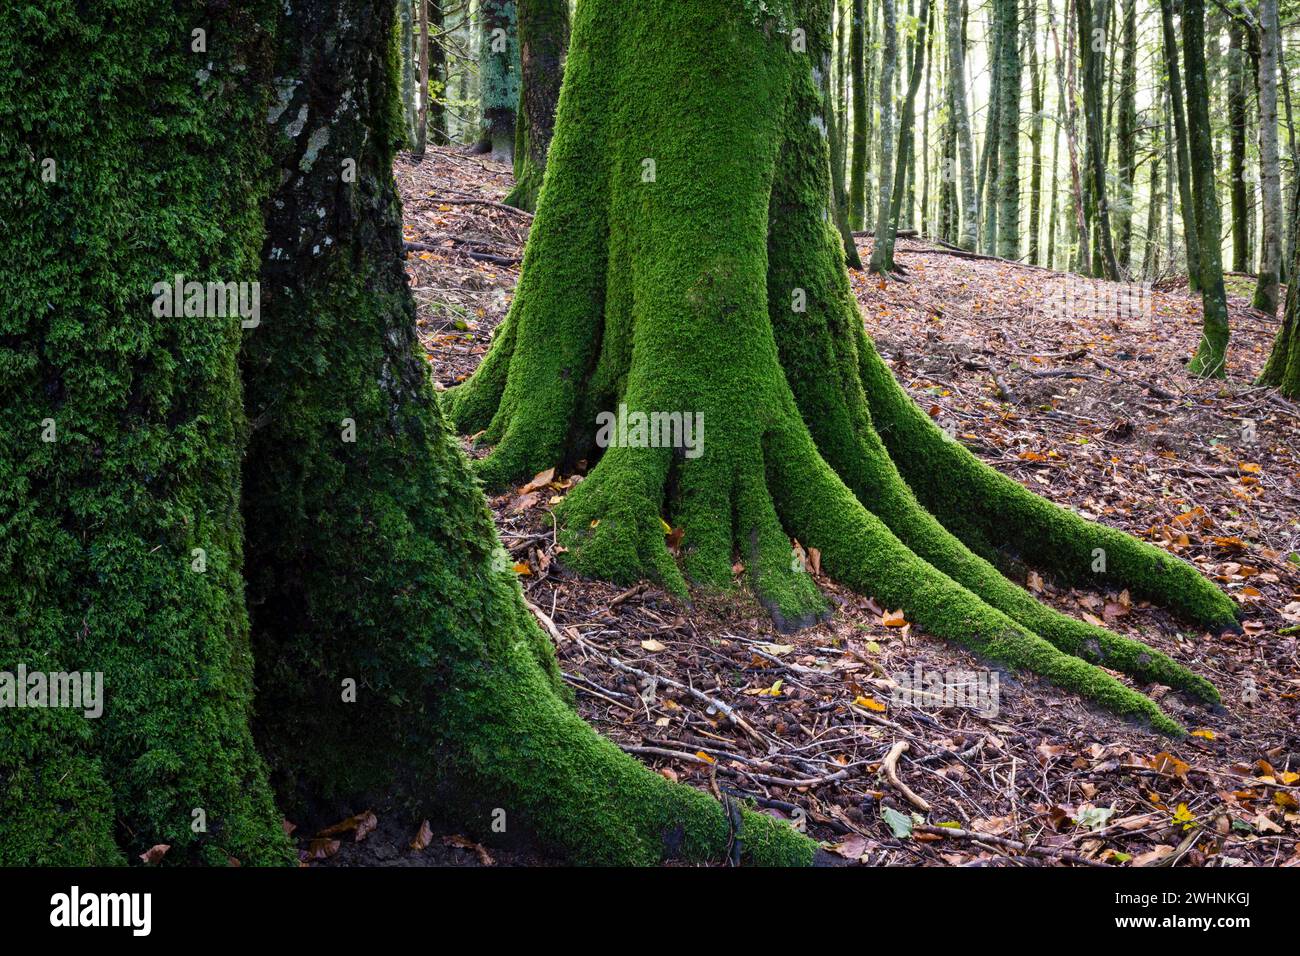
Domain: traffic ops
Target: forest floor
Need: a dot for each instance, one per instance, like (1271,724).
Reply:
(1074,388)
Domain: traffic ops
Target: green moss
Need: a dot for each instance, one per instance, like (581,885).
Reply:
(154,175)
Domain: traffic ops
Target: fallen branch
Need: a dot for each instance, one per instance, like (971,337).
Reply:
(890,766)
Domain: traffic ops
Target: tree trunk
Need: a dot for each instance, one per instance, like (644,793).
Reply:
(406,24)
(858,32)
(1036,77)
(1008,179)
(422,94)
(437,75)
(838,125)
(1270,176)
(960,108)
(882,252)
(1126,138)
(372,557)
(498,77)
(1191,230)
(1065,82)
(742,314)
(120,455)
(543,39)
(1092,44)
(1237,138)
(1210,360)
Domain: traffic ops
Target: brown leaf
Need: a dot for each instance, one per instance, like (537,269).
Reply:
(540,480)
(423,838)
(154,853)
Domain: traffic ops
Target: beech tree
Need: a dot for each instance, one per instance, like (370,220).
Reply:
(1210,359)
(498,28)
(429,681)
(543,39)
(701,235)
(957,103)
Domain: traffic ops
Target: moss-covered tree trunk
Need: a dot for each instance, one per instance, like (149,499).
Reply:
(128,167)
(1210,359)
(394,651)
(543,38)
(498,37)
(682,263)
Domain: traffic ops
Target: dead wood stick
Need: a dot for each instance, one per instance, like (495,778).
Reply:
(890,766)
(959,834)
(725,709)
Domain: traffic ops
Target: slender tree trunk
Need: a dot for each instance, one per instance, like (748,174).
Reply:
(406,25)
(1092,43)
(1151,255)
(1126,139)
(1236,86)
(1270,175)
(881,252)
(437,75)
(858,32)
(543,40)
(839,195)
(1191,230)
(925,224)
(422,93)
(1210,360)
(1036,79)
(1008,180)
(1065,82)
(960,110)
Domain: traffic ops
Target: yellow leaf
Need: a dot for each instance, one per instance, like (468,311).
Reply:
(1207,734)
(705,757)
(668,529)
(893,619)
(521,567)
(1184,816)
(870,703)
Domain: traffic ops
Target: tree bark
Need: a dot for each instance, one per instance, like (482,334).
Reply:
(1092,45)
(543,40)
(858,34)
(498,77)
(1191,230)
(1270,175)
(1008,155)
(960,108)
(1210,360)
(1126,138)
(1236,84)
(881,253)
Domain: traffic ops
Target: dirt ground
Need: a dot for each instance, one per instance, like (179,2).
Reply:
(1074,388)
